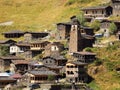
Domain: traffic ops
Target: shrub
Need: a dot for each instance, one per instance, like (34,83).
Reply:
(95,25)
(88,49)
(70,2)
(110,66)
(4,50)
(112,47)
(98,62)
(81,18)
(113,28)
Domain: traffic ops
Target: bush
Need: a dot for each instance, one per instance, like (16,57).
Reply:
(4,50)
(110,66)
(88,49)
(113,28)
(81,18)
(117,75)
(112,47)
(98,62)
(95,25)
(70,2)
(94,85)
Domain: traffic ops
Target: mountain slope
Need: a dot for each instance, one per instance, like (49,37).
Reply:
(40,14)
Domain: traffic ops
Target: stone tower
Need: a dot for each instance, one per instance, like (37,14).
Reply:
(116,7)
(75,36)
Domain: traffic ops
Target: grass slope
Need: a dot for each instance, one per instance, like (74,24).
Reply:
(106,78)
(37,15)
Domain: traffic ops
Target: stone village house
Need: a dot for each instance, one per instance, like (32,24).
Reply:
(99,11)
(21,49)
(6,61)
(31,36)
(13,34)
(55,64)
(76,71)
(40,76)
(63,30)
(21,65)
(54,49)
(7,42)
(105,26)
(103,11)
(28,50)
(5,80)
(85,57)
(38,47)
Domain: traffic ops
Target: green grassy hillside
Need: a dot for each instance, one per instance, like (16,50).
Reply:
(106,76)
(39,15)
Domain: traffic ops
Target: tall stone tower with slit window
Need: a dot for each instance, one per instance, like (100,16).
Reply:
(75,36)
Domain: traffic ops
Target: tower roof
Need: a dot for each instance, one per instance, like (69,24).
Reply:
(113,1)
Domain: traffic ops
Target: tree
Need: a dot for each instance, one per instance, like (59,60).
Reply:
(81,18)
(88,49)
(95,25)
(4,50)
(112,28)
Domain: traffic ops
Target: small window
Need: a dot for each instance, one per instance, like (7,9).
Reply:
(71,72)
(75,66)
(71,66)
(73,27)
(68,72)
(68,67)
(96,12)
(50,61)
(102,12)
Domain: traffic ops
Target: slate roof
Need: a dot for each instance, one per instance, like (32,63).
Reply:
(37,32)
(42,72)
(23,44)
(56,43)
(115,1)
(53,66)
(35,63)
(64,23)
(84,53)
(14,32)
(6,79)
(20,62)
(59,58)
(55,57)
(5,41)
(87,28)
(11,57)
(77,63)
(39,42)
(87,36)
(96,7)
